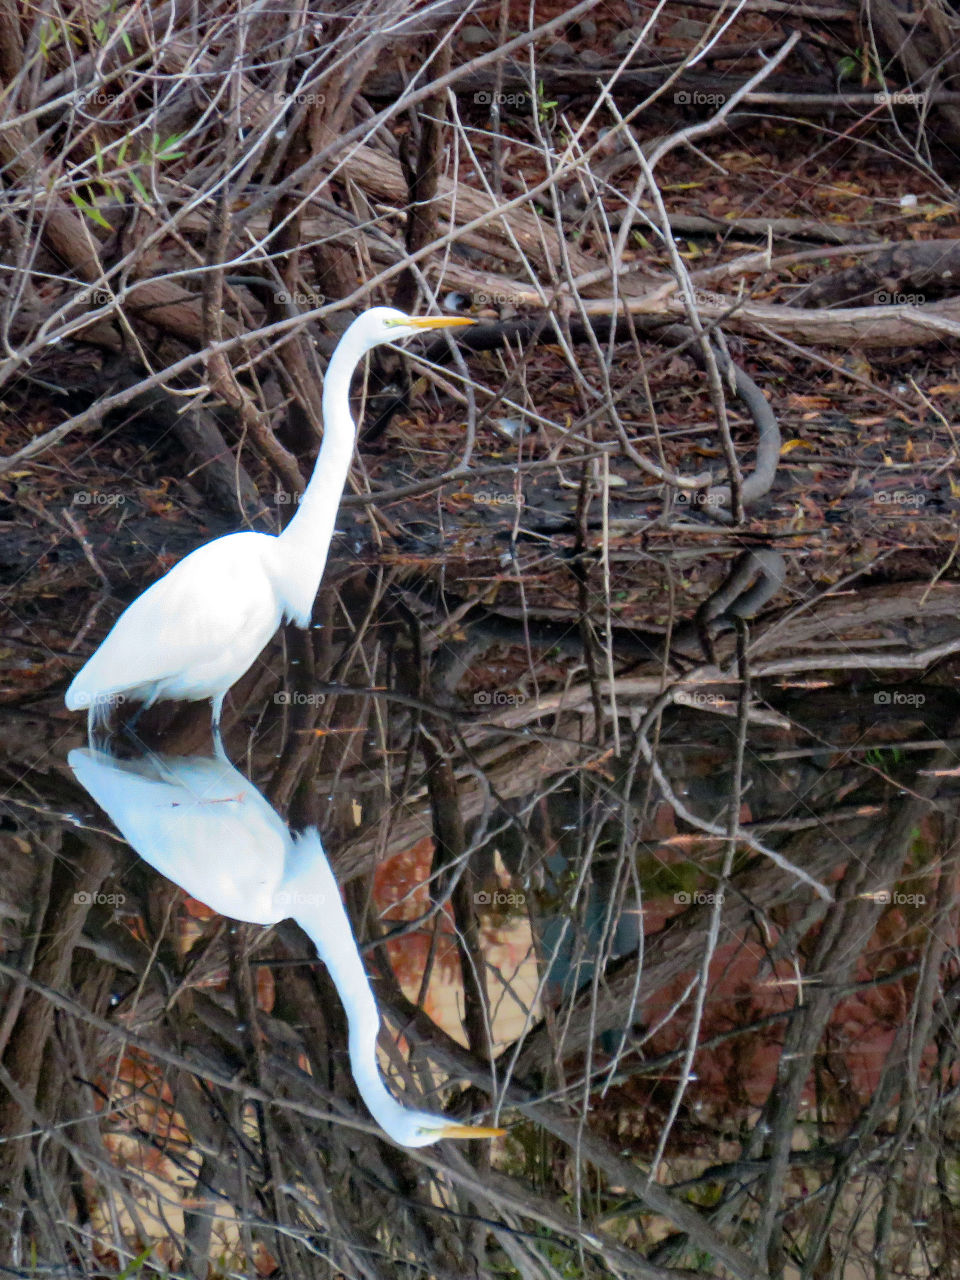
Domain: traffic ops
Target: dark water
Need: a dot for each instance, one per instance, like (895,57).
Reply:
(689,875)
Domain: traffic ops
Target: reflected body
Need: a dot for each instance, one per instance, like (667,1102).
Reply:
(196,631)
(200,822)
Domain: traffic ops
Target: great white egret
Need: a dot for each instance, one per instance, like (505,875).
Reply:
(200,627)
(200,822)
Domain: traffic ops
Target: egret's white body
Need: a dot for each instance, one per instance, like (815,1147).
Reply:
(199,821)
(196,631)
(166,645)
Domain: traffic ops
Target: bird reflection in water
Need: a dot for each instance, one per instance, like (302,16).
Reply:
(201,823)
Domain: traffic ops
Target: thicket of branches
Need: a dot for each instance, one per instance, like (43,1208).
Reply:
(760,1078)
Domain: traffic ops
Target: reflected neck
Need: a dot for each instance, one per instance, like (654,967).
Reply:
(311,893)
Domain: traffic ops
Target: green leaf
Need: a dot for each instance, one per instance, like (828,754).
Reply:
(167,150)
(50,37)
(90,211)
(135,1266)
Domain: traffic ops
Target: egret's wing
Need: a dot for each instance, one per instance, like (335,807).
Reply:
(217,594)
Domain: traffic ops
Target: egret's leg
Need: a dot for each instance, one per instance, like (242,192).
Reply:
(129,731)
(218,749)
(98,722)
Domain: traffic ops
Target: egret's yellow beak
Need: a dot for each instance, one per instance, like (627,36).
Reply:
(438,322)
(469,1131)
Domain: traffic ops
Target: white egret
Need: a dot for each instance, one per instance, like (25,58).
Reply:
(200,822)
(200,627)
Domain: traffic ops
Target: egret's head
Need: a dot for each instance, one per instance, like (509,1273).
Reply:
(420,1129)
(386,324)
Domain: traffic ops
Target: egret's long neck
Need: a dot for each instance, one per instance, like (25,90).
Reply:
(313,899)
(305,542)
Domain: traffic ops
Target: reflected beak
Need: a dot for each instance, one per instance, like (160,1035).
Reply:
(439,322)
(469,1131)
